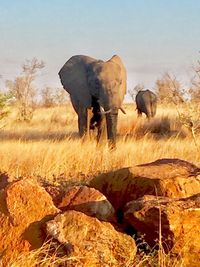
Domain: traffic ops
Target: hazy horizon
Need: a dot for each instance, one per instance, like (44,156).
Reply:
(150,36)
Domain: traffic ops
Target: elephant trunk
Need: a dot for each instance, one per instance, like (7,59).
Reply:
(111,122)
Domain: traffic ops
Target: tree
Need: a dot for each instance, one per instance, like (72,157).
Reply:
(23,90)
(47,97)
(4,111)
(51,96)
(133,92)
(61,96)
(194,91)
(169,89)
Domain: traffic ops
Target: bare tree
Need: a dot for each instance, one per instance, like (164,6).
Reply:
(133,92)
(23,90)
(47,97)
(188,114)
(61,96)
(54,97)
(169,89)
(3,105)
(194,90)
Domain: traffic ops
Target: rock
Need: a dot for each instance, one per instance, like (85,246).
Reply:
(178,219)
(91,242)
(27,197)
(56,193)
(4,180)
(166,177)
(24,207)
(89,201)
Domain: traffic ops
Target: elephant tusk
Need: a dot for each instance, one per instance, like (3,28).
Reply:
(122,110)
(102,111)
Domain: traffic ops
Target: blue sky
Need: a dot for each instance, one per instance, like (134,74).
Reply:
(151,36)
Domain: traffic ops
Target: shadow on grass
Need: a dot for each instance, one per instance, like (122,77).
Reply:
(34,135)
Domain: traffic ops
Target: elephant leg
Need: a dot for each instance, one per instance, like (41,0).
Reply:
(148,117)
(82,121)
(139,113)
(148,113)
(101,131)
(111,123)
(82,116)
(89,116)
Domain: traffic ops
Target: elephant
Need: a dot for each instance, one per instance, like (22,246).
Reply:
(146,102)
(95,85)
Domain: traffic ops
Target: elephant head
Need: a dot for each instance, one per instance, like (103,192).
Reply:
(90,81)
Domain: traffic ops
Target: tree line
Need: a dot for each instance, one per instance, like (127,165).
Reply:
(22,93)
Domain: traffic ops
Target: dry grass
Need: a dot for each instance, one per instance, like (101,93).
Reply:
(46,257)
(49,148)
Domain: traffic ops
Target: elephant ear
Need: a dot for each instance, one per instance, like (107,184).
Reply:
(73,76)
(123,77)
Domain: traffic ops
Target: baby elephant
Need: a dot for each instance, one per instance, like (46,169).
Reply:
(146,102)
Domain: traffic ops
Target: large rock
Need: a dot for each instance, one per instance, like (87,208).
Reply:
(55,192)
(176,220)
(166,177)
(91,242)
(24,207)
(4,180)
(89,201)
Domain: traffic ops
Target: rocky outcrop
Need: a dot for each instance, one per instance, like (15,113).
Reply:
(157,200)
(89,201)
(90,242)
(176,220)
(166,177)
(24,207)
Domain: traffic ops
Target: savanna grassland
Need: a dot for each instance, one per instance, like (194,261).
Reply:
(49,146)
(49,149)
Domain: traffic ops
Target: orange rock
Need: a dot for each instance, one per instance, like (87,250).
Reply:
(89,201)
(56,193)
(4,180)
(177,220)
(91,242)
(166,177)
(28,202)
(24,207)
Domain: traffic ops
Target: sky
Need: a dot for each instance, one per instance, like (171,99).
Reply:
(150,36)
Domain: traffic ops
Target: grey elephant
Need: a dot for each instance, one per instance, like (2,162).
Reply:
(146,102)
(97,86)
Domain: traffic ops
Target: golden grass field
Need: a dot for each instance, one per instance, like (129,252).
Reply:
(49,146)
(49,149)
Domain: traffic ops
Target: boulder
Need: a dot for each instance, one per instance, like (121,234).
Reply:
(89,201)
(55,192)
(90,242)
(176,220)
(24,207)
(4,180)
(165,177)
